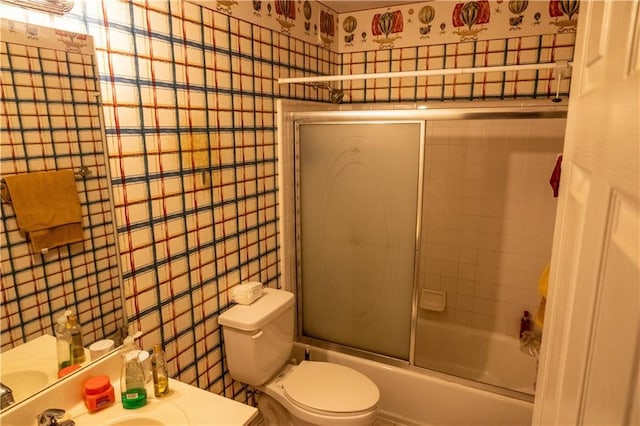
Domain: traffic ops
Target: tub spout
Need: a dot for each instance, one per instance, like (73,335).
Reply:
(6,396)
(530,343)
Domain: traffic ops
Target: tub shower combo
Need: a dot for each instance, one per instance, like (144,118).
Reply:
(413,237)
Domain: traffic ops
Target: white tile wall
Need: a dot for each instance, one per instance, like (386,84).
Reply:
(488,217)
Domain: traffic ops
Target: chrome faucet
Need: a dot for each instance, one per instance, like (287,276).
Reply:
(530,343)
(51,416)
(6,396)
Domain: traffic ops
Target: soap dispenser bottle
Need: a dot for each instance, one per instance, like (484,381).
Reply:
(159,371)
(132,381)
(77,347)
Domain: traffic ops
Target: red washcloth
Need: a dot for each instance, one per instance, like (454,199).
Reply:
(554,181)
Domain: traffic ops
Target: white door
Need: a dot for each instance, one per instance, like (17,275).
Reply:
(590,361)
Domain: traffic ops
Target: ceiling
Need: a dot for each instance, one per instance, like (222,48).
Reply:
(354,6)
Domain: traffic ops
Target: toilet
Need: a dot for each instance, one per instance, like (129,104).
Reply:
(258,339)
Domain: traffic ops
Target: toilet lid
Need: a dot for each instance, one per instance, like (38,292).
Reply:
(330,387)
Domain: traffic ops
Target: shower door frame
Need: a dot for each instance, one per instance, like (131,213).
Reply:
(291,112)
(417,231)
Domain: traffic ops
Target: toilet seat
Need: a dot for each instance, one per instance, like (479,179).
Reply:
(330,389)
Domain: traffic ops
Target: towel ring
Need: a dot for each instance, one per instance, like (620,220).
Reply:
(81,174)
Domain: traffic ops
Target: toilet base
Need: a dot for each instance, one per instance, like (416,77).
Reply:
(274,414)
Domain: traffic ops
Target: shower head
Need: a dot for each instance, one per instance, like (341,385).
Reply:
(335,95)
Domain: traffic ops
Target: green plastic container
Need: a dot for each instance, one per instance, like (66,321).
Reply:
(134,398)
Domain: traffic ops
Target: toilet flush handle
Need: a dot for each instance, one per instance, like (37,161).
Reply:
(257,335)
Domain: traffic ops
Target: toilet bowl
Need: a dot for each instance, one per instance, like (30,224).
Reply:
(258,341)
(323,393)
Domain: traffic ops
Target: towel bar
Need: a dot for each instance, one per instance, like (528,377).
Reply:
(82,173)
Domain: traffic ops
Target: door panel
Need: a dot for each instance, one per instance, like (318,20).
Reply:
(590,356)
(358,204)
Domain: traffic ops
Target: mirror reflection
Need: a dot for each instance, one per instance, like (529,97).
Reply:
(51,122)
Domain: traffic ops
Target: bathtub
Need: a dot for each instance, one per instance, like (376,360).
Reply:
(414,396)
(480,355)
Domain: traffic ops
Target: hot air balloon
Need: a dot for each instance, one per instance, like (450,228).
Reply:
(349,24)
(306,9)
(570,7)
(286,8)
(426,14)
(469,13)
(518,6)
(565,7)
(385,25)
(326,23)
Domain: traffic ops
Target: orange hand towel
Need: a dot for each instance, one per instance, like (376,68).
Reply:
(47,208)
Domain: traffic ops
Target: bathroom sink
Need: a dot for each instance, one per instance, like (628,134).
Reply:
(29,367)
(155,413)
(25,383)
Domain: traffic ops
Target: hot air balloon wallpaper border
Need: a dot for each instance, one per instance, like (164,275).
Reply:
(434,22)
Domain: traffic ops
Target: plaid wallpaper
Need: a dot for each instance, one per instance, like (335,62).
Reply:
(188,95)
(485,86)
(189,112)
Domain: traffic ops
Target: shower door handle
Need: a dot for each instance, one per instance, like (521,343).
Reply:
(257,335)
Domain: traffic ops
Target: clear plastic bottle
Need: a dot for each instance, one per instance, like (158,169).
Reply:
(159,371)
(132,381)
(77,347)
(63,341)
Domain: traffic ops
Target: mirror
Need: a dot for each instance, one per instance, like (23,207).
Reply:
(52,120)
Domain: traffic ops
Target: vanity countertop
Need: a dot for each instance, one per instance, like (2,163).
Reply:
(185,404)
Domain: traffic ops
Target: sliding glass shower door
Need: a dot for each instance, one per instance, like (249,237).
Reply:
(358,188)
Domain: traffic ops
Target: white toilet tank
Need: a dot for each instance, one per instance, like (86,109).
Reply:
(258,338)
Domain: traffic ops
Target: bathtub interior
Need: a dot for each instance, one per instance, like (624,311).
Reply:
(480,355)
